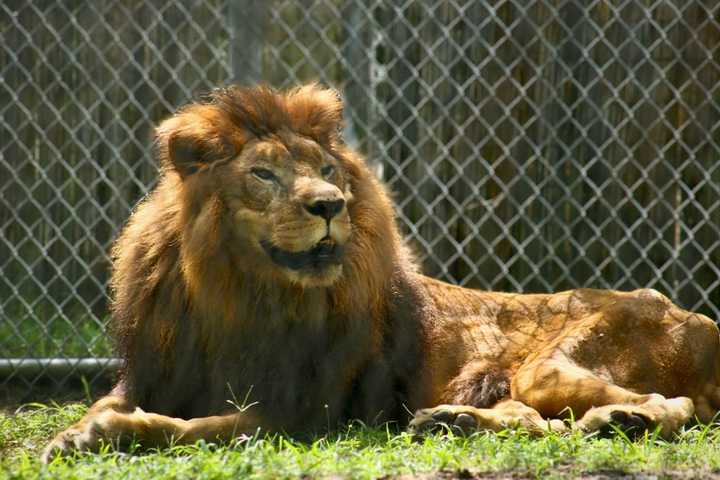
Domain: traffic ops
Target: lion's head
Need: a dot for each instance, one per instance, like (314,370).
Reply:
(265,176)
(289,196)
(274,163)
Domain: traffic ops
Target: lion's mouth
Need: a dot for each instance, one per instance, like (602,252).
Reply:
(321,256)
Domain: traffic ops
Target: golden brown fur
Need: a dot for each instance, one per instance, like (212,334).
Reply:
(267,266)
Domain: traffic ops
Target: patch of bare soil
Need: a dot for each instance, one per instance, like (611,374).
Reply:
(564,473)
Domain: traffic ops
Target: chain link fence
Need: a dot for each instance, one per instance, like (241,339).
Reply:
(531,145)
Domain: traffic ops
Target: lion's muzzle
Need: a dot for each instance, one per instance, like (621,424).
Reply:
(326,209)
(318,258)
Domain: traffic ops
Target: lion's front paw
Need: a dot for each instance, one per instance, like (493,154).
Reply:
(107,427)
(61,445)
(630,419)
(460,420)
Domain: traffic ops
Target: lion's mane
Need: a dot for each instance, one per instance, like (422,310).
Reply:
(197,328)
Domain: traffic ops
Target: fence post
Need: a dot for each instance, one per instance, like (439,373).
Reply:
(247,25)
(360,102)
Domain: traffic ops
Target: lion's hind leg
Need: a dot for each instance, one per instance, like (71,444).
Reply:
(601,406)
(656,411)
(557,386)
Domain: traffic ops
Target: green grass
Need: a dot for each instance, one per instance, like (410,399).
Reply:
(358,452)
(61,337)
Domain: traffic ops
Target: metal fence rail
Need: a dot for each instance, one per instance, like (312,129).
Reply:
(531,145)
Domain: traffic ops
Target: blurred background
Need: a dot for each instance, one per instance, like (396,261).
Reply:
(531,145)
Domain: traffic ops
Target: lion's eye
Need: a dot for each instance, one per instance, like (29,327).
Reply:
(263,174)
(327,170)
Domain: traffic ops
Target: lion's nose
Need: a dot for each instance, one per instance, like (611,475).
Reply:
(326,209)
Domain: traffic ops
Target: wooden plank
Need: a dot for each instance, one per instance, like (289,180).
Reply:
(248,19)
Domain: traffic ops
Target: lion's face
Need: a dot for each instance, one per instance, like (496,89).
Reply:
(276,163)
(287,197)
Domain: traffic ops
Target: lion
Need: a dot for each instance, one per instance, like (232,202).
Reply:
(264,285)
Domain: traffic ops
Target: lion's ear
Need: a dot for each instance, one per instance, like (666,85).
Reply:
(316,112)
(188,154)
(187,144)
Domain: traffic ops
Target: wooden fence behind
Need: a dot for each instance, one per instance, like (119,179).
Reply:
(530,146)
